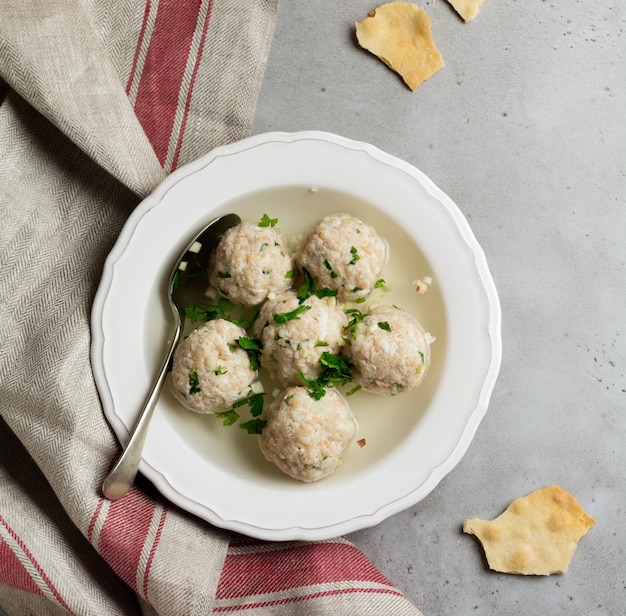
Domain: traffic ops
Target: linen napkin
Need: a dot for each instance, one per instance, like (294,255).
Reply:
(99,100)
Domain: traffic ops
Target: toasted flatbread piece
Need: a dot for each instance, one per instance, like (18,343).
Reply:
(467,9)
(399,33)
(536,535)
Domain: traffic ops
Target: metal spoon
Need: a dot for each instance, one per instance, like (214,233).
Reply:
(186,285)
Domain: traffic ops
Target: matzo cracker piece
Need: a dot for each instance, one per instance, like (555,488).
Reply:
(467,9)
(399,33)
(537,534)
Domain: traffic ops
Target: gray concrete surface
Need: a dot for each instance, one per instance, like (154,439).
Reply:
(525,129)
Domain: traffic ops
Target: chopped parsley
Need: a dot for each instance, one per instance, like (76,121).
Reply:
(336,371)
(229,417)
(253,347)
(314,388)
(201,313)
(266,221)
(252,426)
(329,267)
(384,325)
(256,424)
(284,317)
(194,383)
(254,401)
(309,287)
(225,309)
(326,292)
(355,316)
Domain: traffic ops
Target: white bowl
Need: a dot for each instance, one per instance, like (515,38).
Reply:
(412,440)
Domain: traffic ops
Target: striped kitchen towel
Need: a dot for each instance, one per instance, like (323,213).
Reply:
(99,101)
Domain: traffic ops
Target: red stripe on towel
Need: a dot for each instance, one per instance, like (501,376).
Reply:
(124,533)
(170,44)
(306,597)
(14,572)
(94,518)
(205,29)
(255,573)
(153,549)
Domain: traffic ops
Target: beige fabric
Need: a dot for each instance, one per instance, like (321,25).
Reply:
(54,58)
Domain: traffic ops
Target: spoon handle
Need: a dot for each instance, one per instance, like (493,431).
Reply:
(122,476)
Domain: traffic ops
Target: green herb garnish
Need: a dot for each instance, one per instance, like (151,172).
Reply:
(194,383)
(355,255)
(313,387)
(337,370)
(201,313)
(253,426)
(266,221)
(256,424)
(253,347)
(355,316)
(329,267)
(284,317)
(384,325)
(229,417)
(326,292)
(254,401)
(309,287)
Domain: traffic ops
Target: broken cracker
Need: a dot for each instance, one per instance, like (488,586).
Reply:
(467,9)
(537,534)
(399,33)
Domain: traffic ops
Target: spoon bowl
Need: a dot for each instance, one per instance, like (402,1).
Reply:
(186,285)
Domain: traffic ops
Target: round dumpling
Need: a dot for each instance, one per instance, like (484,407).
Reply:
(389,351)
(251,263)
(294,334)
(210,371)
(344,254)
(304,437)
